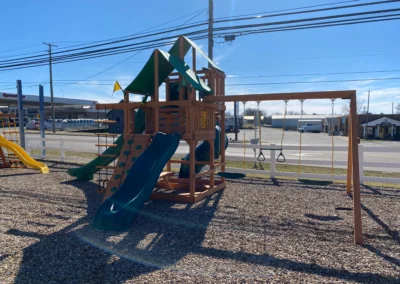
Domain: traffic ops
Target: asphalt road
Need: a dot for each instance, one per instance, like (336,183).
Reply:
(269,136)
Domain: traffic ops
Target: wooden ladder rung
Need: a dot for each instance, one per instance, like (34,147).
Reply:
(106,134)
(106,145)
(107,155)
(10,131)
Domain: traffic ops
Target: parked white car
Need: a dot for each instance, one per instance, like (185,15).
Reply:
(311,127)
(32,125)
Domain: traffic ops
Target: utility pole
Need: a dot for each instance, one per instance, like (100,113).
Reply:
(210,29)
(366,126)
(53,114)
(392,107)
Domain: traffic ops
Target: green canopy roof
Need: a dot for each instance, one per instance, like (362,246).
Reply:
(167,62)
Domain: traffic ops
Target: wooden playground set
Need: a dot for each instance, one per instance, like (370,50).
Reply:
(194,109)
(193,113)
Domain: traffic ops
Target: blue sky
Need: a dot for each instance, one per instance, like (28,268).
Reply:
(366,47)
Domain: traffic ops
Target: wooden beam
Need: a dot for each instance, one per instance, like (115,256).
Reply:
(205,173)
(181,56)
(209,191)
(204,71)
(223,141)
(192,178)
(282,96)
(349,158)
(187,162)
(358,237)
(139,105)
(156,94)
(212,163)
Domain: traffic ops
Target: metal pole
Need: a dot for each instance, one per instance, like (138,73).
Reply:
(255,124)
(210,29)
(41,120)
(53,114)
(235,113)
(366,125)
(21,115)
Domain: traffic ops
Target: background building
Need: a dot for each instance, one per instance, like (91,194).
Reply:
(293,121)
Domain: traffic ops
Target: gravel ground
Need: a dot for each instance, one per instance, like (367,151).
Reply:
(254,231)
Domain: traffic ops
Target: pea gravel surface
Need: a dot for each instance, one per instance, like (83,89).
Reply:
(254,231)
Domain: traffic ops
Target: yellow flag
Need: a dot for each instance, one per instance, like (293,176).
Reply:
(117,87)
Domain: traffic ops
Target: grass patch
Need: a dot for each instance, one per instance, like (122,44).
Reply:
(51,152)
(281,167)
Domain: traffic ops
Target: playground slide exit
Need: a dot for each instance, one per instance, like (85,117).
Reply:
(86,172)
(22,155)
(118,211)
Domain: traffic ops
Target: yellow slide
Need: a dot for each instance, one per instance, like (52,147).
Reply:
(22,155)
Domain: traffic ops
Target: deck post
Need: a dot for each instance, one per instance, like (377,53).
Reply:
(358,237)
(192,180)
(156,90)
(127,119)
(349,158)
(272,162)
(212,164)
(223,139)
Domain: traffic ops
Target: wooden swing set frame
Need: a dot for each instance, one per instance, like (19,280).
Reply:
(353,168)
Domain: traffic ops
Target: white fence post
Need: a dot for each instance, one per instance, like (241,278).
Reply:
(28,145)
(361,162)
(62,149)
(272,162)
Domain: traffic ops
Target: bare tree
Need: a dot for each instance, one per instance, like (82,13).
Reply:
(252,111)
(346,108)
(228,113)
(398,108)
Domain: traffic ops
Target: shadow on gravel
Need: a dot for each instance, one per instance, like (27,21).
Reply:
(62,258)
(162,235)
(393,234)
(323,218)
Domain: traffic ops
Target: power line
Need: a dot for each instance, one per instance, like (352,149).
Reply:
(131,56)
(313,82)
(285,10)
(312,26)
(123,39)
(308,11)
(200,35)
(273,83)
(255,76)
(307,19)
(111,39)
(316,74)
(149,29)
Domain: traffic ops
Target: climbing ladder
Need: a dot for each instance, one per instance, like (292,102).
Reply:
(109,139)
(134,145)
